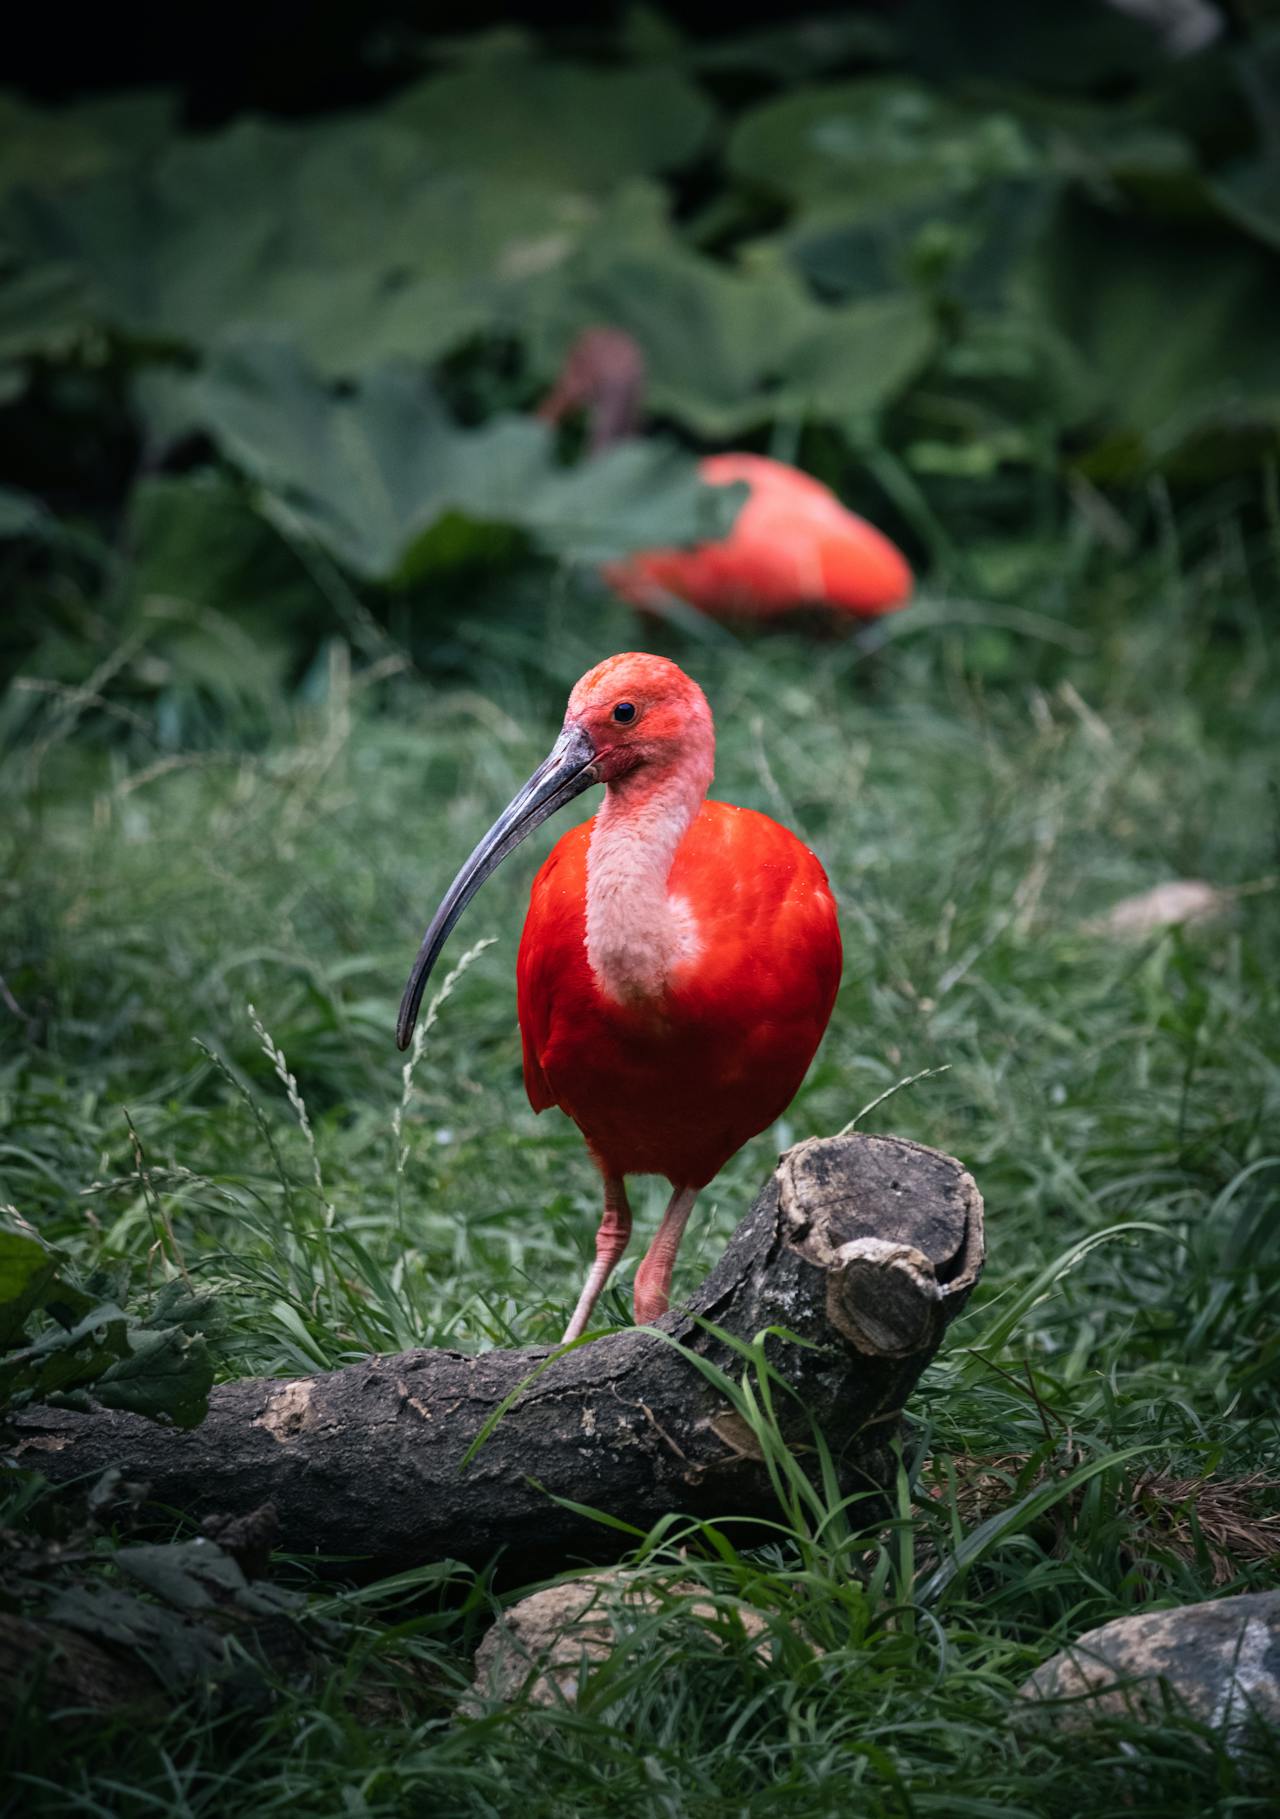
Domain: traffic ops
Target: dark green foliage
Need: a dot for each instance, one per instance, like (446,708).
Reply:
(175,1621)
(1066,265)
(157,1364)
(373,475)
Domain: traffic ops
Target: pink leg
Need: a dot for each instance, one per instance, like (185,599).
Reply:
(653,1278)
(611,1241)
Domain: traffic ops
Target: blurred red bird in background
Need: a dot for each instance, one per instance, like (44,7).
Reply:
(679,961)
(792,546)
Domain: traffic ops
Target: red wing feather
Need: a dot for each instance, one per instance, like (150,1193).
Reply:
(554,936)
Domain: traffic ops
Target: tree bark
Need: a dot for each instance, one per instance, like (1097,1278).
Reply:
(864,1248)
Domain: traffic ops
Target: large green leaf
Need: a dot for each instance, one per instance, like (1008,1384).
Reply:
(1175,329)
(160,1368)
(188,1613)
(399,234)
(27,1270)
(727,348)
(876,144)
(971,247)
(165,1374)
(1146,148)
(635,495)
(346,236)
(194,1576)
(851,361)
(564,125)
(66,1358)
(374,472)
(180,1653)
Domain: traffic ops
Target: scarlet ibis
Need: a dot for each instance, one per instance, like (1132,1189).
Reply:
(793,545)
(679,960)
(603,377)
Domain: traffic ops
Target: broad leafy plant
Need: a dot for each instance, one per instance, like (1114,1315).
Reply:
(66,1342)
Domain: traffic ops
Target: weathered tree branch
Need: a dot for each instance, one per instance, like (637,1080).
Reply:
(863,1247)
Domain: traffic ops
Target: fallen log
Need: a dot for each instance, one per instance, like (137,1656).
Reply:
(862,1247)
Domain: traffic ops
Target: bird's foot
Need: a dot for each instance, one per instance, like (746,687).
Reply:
(651,1306)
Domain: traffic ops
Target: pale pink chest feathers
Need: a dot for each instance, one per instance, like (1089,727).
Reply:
(640,937)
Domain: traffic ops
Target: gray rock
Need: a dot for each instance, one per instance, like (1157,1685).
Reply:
(543,1650)
(1187,901)
(1219,1660)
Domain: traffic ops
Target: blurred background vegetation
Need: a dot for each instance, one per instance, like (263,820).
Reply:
(294,588)
(269,377)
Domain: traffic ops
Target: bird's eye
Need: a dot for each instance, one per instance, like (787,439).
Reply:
(624,713)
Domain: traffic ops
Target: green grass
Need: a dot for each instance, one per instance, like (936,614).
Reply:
(979,787)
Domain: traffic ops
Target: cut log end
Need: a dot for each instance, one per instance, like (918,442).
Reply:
(896,1226)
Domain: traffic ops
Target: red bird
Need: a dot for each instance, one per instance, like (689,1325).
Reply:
(793,545)
(679,961)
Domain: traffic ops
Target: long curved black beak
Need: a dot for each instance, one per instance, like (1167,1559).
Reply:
(567,770)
